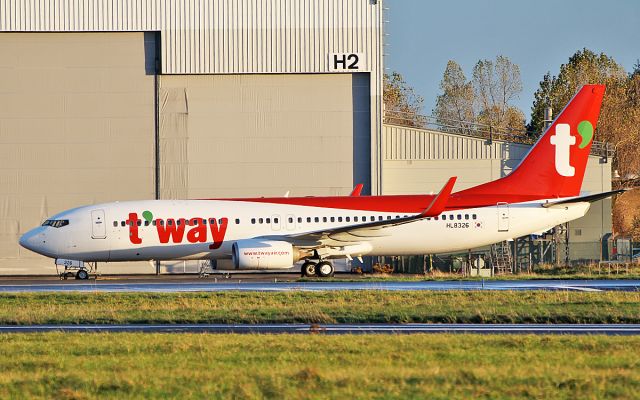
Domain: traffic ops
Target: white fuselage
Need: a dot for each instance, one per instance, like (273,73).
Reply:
(103,233)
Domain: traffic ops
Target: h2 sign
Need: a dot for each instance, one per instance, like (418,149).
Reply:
(345,62)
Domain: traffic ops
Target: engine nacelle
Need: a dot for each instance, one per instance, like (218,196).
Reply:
(263,254)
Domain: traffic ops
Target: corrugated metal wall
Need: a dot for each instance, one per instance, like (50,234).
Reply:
(230,36)
(402,143)
(223,36)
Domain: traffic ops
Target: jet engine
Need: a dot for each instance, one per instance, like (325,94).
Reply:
(263,254)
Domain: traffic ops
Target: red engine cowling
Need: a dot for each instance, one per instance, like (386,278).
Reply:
(263,254)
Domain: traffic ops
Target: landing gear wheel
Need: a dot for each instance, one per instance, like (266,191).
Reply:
(324,269)
(308,269)
(82,275)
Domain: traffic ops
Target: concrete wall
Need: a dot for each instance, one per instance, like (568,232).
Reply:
(263,135)
(76,127)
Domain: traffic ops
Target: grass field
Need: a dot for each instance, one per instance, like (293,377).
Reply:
(79,366)
(321,307)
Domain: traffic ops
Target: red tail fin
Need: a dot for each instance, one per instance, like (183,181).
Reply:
(555,166)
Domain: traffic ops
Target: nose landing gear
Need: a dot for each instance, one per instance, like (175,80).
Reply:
(323,269)
(78,269)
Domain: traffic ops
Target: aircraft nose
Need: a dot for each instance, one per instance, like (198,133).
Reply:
(34,240)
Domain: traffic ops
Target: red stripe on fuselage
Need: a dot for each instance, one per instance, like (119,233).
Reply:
(398,203)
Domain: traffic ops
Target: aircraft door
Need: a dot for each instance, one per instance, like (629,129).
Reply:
(98,225)
(275,222)
(291,222)
(503,217)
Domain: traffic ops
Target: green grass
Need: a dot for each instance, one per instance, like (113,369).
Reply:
(83,366)
(321,307)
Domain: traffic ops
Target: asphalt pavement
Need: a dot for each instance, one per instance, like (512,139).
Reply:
(337,329)
(273,285)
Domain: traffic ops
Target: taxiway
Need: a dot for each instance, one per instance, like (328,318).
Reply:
(333,329)
(276,285)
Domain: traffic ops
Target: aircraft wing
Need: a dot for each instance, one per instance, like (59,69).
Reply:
(364,231)
(583,199)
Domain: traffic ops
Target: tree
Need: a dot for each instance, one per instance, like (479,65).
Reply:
(584,67)
(496,85)
(455,104)
(486,99)
(401,103)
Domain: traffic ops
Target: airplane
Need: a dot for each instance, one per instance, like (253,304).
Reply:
(543,191)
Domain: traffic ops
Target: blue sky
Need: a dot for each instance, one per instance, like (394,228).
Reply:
(537,35)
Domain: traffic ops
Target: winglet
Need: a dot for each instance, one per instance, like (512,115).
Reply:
(440,201)
(357,190)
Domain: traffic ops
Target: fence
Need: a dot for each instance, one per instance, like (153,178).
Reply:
(528,254)
(477,130)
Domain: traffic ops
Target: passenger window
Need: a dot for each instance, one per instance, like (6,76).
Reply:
(290,220)
(388,216)
(115,223)
(475,216)
(260,220)
(333,219)
(373,218)
(324,219)
(161,222)
(276,220)
(397,216)
(299,220)
(380,218)
(179,222)
(459,217)
(451,217)
(154,222)
(348,219)
(355,219)
(466,216)
(268,220)
(309,219)
(122,223)
(237,221)
(146,223)
(253,221)
(436,218)
(170,222)
(212,221)
(317,219)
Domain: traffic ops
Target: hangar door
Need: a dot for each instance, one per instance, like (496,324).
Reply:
(76,128)
(264,135)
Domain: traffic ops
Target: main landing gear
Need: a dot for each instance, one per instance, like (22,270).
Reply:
(323,269)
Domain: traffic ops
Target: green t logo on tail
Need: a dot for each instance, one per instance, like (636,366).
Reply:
(585,130)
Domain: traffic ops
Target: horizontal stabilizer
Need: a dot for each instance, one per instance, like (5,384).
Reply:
(584,199)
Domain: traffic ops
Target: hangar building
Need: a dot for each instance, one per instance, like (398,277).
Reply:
(105,100)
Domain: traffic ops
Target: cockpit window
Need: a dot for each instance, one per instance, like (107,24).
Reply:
(56,223)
